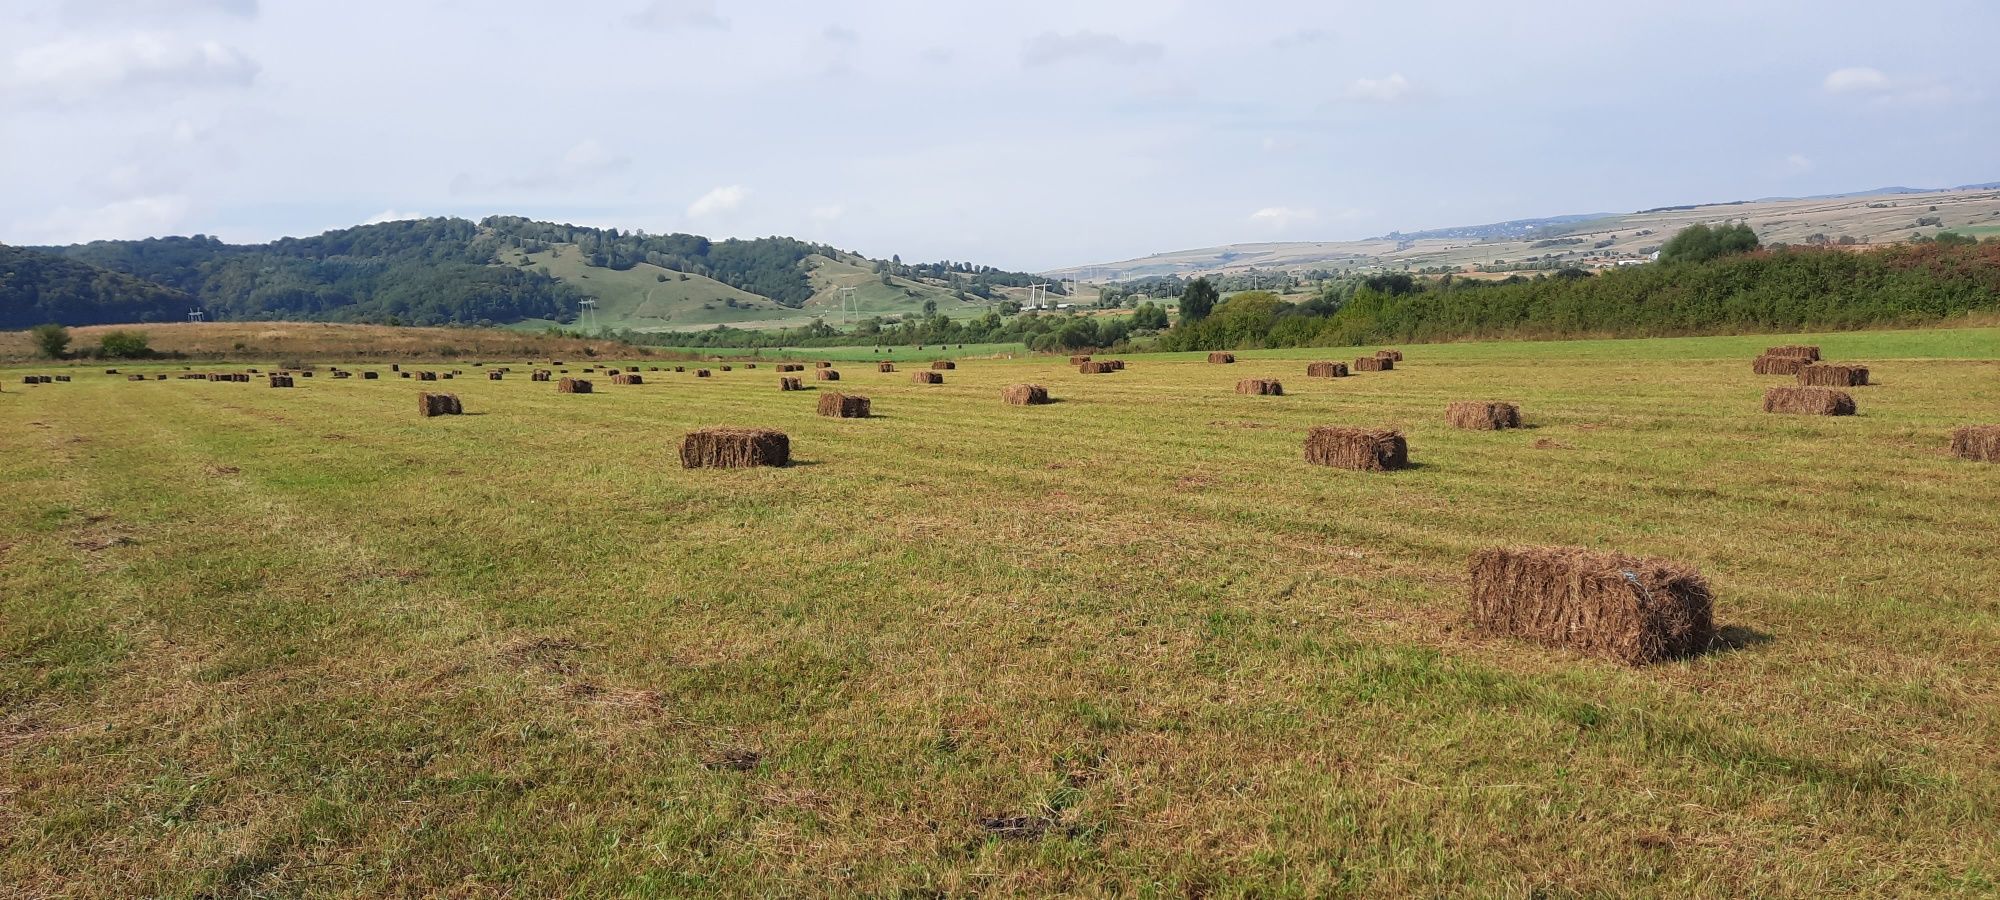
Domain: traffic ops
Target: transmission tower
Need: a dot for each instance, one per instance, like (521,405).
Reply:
(589,310)
(195,315)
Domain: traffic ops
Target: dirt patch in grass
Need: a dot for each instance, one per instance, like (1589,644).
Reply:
(732,759)
(1547,444)
(1225,423)
(102,542)
(215,471)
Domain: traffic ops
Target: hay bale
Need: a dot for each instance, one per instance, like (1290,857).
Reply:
(307,373)
(540,375)
(680,368)
(1796,351)
(1390,355)
(573,386)
(822,364)
(429,404)
(1262,387)
(135,378)
(371,376)
(494,375)
(790,383)
(885,367)
(1117,365)
(1025,394)
(701,373)
(405,374)
(631,368)
(110,371)
(843,406)
(944,365)
(1810,401)
(1365,449)
(1833,375)
(790,367)
(1626,608)
(1374,364)
(627,378)
(61,378)
(427,376)
(926,376)
(1977,442)
(826,374)
(1096,367)
(1221,358)
(160,377)
(393,367)
(1078,360)
(1778,365)
(735,448)
(1483,415)
(281,381)
(749,365)
(341,374)
(726,369)
(1326,370)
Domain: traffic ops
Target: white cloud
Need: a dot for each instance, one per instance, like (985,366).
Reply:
(1050,48)
(391,215)
(1393,89)
(1857,80)
(80,67)
(1282,218)
(827,213)
(171,10)
(136,217)
(720,200)
(1798,164)
(669,15)
(588,157)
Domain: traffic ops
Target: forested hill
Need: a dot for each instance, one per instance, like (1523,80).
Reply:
(40,287)
(432,272)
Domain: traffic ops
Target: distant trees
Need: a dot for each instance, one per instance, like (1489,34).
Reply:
(50,340)
(1701,243)
(1197,300)
(1149,317)
(124,345)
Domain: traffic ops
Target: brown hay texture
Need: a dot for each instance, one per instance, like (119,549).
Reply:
(573,386)
(1117,365)
(885,367)
(110,371)
(1078,360)
(1977,442)
(160,377)
(790,383)
(726,369)
(372,376)
(926,376)
(342,373)
(1364,449)
(1810,401)
(395,367)
(1620,607)
(790,367)
(61,378)
(1482,415)
(1796,351)
(427,376)
(1391,355)
(701,373)
(540,375)
(1374,364)
(1263,387)
(944,365)
(631,368)
(281,381)
(826,374)
(627,378)
(429,404)
(494,375)
(749,365)
(135,378)
(1833,375)
(1095,368)
(1779,365)
(680,368)
(735,448)
(843,406)
(822,364)
(1025,394)
(1326,370)
(1221,358)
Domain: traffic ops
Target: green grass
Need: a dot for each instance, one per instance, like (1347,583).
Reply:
(864,353)
(261,642)
(638,298)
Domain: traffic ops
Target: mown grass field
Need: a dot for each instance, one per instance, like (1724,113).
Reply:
(260,642)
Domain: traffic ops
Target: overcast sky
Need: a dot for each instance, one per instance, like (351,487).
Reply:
(1025,134)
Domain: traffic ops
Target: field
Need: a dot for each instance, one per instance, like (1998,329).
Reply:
(294,642)
(324,341)
(647,297)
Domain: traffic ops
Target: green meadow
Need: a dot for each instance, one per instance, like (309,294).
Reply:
(301,642)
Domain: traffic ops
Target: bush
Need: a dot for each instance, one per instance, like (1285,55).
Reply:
(124,345)
(51,340)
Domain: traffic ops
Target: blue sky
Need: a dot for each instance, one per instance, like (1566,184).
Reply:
(1023,134)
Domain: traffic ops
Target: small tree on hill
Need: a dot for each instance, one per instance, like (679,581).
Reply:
(51,340)
(124,345)
(1198,300)
(1700,243)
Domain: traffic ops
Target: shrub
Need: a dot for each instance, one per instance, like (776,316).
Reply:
(51,340)
(124,345)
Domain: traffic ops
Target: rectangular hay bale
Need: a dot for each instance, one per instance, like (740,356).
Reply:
(1326,370)
(1626,608)
(573,386)
(1483,415)
(1264,387)
(789,383)
(1980,443)
(1778,365)
(843,406)
(1833,375)
(826,374)
(429,404)
(1221,358)
(1373,364)
(735,448)
(1025,394)
(1809,353)
(926,376)
(1810,401)
(1361,449)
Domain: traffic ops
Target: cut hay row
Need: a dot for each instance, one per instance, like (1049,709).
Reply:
(1363,449)
(826,374)
(1778,365)
(789,383)
(1326,370)
(843,406)
(1795,351)
(925,376)
(943,365)
(1373,364)
(572,386)
(1221,358)
(429,404)
(1390,355)
(1810,401)
(1025,394)
(1481,415)
(1980,443)
(1833,375)
(735,448)
(1263,387)
(1626,608)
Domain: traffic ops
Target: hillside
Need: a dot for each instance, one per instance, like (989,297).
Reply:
(328,341)
(1878,217)
(503,270)
(38,287)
